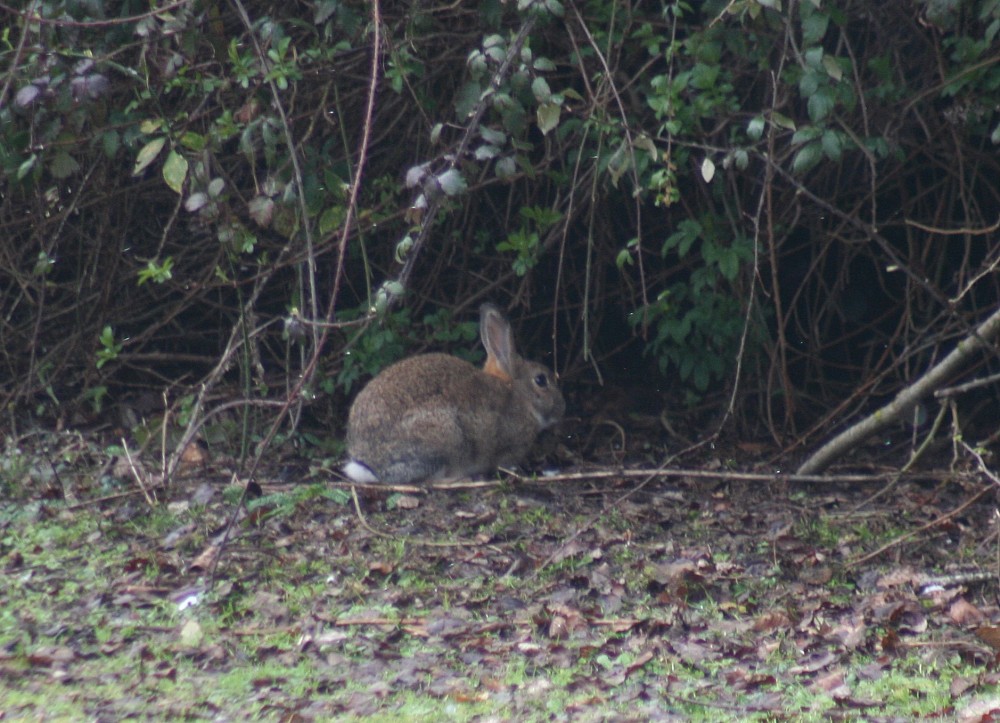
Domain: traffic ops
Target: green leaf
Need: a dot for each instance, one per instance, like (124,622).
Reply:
(645,143)
(991,31)
(804,135)
(832,67)
(707,169)
(403,248)
(324,10)
(505,168)
(175,171)
(683,238)
(158,273)
(148,154)
(493,137)
(63,165)
(833,145)
(819,105)
(452,182)
(814,27)
(193,141)
(110,350)
(261,210)
(466,99)
(729,264)
(330,220)
(755,128)
(26,166)
(111,142)
(783,121)
(548,117)
(540,89)
(809,83)
(807,157)
(555,7)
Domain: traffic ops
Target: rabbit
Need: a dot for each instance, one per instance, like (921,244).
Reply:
(435,417)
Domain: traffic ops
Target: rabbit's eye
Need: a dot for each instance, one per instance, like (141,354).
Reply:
(541,381)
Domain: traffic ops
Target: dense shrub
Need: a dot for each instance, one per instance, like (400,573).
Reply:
(666,186)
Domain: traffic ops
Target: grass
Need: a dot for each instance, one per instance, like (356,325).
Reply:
(544,609)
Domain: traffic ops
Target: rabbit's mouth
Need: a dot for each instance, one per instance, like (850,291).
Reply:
(546,420)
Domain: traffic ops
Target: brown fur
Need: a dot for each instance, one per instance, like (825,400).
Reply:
(434,416)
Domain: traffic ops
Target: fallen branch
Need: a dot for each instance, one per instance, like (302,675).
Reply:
(981,338)
(641,473)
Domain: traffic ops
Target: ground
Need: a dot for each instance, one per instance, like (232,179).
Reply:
(604,594)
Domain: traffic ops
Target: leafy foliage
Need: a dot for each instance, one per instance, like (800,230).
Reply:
(185,176)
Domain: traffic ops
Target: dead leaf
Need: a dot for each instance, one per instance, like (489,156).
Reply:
(407,502)
(51,655)
(832,683)
(899,577)
(205,560)
(772,620)
(960,686)
(979,711)
(194,456)
(818,575)
(890,641)
(962,612)
(191,634)
(814,662)
(851,633)
(989,635)
(565,621)
(381,566)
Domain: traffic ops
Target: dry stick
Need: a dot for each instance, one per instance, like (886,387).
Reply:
(967,387)
(658,473)
(745,334)
(707,474)
(981,338)
(151,501)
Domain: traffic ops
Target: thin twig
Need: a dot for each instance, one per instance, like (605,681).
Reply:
(137,475)
(348,221)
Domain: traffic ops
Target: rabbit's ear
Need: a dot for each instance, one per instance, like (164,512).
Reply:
(499,342)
